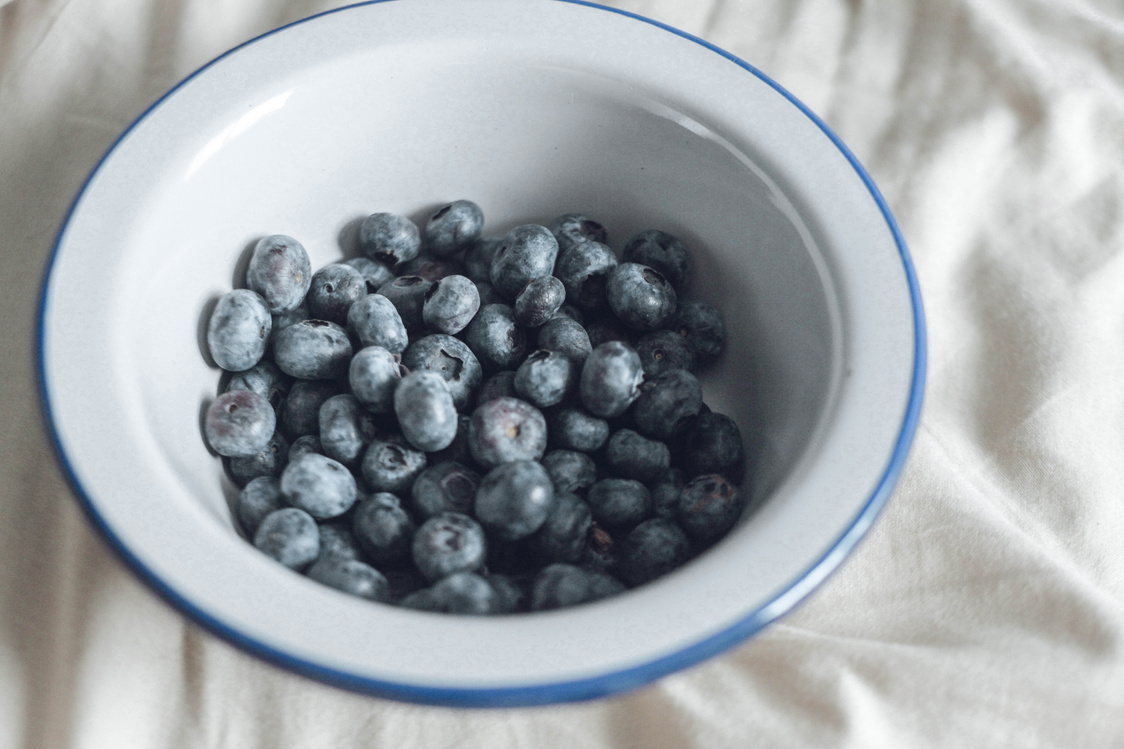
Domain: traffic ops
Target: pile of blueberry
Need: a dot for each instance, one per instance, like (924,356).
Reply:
(475,425)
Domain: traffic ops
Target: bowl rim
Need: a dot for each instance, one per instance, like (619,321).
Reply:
(792,594)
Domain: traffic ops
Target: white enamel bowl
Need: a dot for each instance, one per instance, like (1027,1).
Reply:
(532,108)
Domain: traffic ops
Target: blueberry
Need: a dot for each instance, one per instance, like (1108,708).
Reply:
(319,485)
(285,319)
(545,378)
(665,493)
(564,585)
(570,471)
(709,505)
(374,375)
(663,351)
(450,358)
(640,296)
(375,322)
(457,451)
(664,252)
(453,228)
(432,268)
(345,428)
(610,379)
(382,528)
(584,269)
(667,405)
(313,350)
(539,301)
(238,330)
(514,499)
(448,543)
(425,411)
(619,502)
(510,595)
(389,238)
(571,312)
(336,540)
(607,329)
(701,324)
(374,273)
(562,537)
(487,293)
(505,430)
(499,385)
(404,581)
(445,487)
(478,259)
(351,576)
(391,467)
(270,461)
(633,456)
(289,535)
(259,497)
(574,228)
(265,379)
(308,443)
(300,413)
(527,252)
(714,445)
(462,593)
(450,304)
(601,550)
(407,294)
(334,288)
(651,550)
(280,272)
(240,424)
(566,336)
(495,338)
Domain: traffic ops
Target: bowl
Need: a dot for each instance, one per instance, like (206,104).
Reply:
(531,108)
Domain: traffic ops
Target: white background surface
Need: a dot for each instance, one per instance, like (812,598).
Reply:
(984,609)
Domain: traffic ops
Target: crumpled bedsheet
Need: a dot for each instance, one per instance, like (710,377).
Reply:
(985,608)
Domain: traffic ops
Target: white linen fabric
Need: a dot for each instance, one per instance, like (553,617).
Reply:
(985,608)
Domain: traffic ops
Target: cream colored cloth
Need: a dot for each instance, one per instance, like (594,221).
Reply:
(985,609)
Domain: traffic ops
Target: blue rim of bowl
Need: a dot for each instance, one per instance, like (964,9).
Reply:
(557,692)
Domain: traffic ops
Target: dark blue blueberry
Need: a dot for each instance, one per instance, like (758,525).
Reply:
(714,445)
(265,379)
(374,375)
(668,404)
(651,550)
(382,528)
(285,319)
(574,429)
(527,252)
(701,324)
(313,350)
(610,379)
(403,582)
(337,540)
(575,228)
(389,238)
(572,312)
(601,550)
(510,595)
(375,322)
(607,329)
(453,228)
(319,485)
(545,378)
(633,456)
(495,338)
(289,535)
(458,451)
(391,467)
(425,411)
(563,585)
(407,294)
(351,576)
(499,385)
(665,493)
(584,270)
(238,330)
(270,461)
(452,359)
(539,301)
(487,293)
(334,288)
(640,296)
(432,268)
(505,430)
(514,499)
(570,471)
(478,259)
(450,304)
(464,593)
(445,487)
(619,502)
(259,497)
(300,413)
(308,443)
(709,505)
(448,543)
(345,428)
(240,424)
(566,336)
(563,536)
(663,351)
(660,250)
(374,273)
(280,272)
